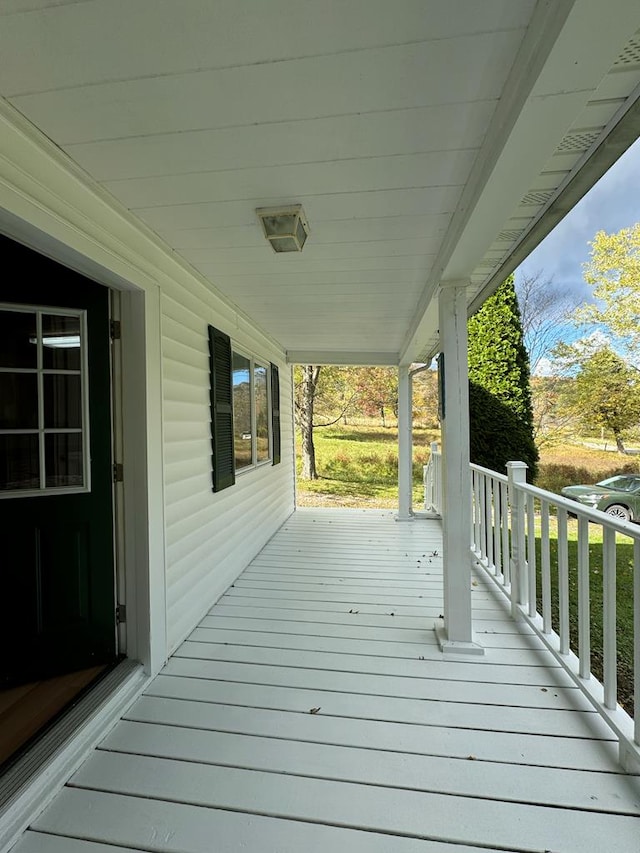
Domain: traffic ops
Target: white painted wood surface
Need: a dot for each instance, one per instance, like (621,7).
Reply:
(321,721)
(210,537)
(426,141)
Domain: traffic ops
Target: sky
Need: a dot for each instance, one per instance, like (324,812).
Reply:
(613,203)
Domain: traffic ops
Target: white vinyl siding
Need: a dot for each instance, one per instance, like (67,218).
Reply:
(208,541)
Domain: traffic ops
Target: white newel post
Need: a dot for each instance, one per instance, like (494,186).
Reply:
(517,473)
(457,633)
(405,468)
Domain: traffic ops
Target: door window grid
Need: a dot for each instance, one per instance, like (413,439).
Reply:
(55,440)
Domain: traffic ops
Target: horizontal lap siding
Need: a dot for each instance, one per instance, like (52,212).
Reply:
(210,538)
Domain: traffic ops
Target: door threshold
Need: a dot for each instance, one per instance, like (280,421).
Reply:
(35,777)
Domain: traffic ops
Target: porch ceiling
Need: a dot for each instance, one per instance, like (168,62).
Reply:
(426,140)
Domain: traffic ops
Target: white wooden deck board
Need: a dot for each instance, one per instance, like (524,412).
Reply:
(286,722)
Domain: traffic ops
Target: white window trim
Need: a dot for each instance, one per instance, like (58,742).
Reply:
(43,490)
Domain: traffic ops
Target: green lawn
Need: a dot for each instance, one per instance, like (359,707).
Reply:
(624,575)
(358,466)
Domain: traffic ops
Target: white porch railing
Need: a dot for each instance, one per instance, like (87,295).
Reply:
(432,479)
(507,513)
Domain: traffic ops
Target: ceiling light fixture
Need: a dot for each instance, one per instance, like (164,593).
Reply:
(286,228)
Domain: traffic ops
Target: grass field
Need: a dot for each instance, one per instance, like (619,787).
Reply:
(624,598)
(358,466)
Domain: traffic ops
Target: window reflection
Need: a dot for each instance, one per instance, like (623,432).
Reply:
(63,459)
(18,401)
(61,342)
(62,401)
(17,334)
(19,462)
(262,413)
(242,411)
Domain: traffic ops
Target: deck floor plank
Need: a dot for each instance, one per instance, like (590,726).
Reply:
(302,715)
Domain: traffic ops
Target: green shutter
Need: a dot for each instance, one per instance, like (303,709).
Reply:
(221,410)
(275,413)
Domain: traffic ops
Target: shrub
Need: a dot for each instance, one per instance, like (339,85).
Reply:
(554,476)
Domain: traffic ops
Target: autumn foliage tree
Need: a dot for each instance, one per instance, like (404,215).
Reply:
(605,389)
(613,271)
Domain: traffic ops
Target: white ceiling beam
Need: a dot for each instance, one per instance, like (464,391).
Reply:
(558,68)
(346,357)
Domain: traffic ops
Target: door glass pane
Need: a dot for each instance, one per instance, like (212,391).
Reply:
(61,342)
(19,462)
(242,411)
(262,412)
(62,401)
(18,339)
(63,459)
(18,401)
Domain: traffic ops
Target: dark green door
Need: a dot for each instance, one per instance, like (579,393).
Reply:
(56,513)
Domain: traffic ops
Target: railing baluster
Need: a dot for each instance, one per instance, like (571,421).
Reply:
(531,554)
(505,513)
(488,522)
(482,515)
(584,606)
(636,638)
(545,567)
(610,678)
(497,527)
(506,563)
(476,512)
(563,581)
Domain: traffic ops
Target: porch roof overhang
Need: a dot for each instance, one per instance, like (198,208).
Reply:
(427,141)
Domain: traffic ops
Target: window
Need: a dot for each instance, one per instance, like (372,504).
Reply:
(44,439)
(251,432)
(245,411)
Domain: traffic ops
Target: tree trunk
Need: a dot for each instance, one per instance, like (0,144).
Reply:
(310,376)
(619,444)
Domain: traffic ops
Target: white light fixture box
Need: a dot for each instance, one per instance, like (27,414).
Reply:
(286,227)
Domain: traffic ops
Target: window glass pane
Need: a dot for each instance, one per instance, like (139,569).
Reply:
(63,461)
(18,401)
(19,462)
(61,342)
(242,411)
(18,339)
(262,412)
(62,401)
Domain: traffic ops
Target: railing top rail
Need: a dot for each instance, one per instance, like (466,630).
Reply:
(502,478)
(595,515)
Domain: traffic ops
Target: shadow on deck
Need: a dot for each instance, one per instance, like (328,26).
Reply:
(312,710)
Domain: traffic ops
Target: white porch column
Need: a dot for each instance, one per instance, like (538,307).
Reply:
(457,634)
(405,469)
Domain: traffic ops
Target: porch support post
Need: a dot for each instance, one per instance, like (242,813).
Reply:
(405,468)
(456,634)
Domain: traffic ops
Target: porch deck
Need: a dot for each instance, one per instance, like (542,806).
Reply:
(311,711)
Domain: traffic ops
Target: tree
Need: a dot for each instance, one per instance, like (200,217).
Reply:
(606,389)
(377,390)
(323,395)
(305,406)
(614,273)
(545,308)
(501,416)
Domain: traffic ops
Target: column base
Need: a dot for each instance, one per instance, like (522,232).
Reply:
(455,647)
(404,517)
